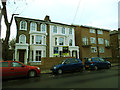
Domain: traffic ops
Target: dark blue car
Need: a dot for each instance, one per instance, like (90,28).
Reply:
(67,65)
(96,63)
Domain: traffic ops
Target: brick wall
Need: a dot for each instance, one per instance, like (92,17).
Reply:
(47,63)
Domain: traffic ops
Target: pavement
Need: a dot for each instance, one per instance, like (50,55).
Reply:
(46,71)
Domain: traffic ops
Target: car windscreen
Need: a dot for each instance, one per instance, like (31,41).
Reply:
(88,60)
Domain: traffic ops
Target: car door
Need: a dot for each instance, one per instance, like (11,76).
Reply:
(68,66)
(18,69)
(6,71)
(102,63)
(75,64)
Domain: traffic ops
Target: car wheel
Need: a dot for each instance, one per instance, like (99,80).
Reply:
(96,67)
(60,71)
(86,68)
(108,66)
(31,74)
(83,69)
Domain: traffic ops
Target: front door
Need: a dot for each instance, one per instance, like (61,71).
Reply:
(21,55)
(74,54)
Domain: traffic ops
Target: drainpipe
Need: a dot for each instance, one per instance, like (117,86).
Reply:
(97,44)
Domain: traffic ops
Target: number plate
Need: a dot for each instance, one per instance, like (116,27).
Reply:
(87,66)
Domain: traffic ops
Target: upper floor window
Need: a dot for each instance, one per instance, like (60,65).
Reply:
(107,43)
(63,30)
(33,26)
(92,40)
(54,29)
(100,41)
(70,30)
(85,41)
(100,32)
(43,27)
(61,41)
(23,25)
(92,31)
(38,39)
(70,42)
(22,39)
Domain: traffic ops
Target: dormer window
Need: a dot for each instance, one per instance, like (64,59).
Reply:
(23,25)
(33,26)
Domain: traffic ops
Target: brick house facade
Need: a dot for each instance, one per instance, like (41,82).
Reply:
(93,42)
(42,38)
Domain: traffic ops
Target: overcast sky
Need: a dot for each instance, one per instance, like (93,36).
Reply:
(97,13)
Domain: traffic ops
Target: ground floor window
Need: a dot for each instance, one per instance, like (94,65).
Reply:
(38,55)
(93,49)
(101,49)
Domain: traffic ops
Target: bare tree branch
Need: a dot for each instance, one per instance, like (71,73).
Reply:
(4,11)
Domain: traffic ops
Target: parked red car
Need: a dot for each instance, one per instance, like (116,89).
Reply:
(16,69)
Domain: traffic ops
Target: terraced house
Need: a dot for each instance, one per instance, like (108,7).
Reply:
(93,42)
(42,38)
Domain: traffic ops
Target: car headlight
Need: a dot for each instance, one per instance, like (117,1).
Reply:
(54,67)
(108,61)
(38,68)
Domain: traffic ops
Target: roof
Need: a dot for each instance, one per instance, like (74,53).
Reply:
(44,21)
(91,27)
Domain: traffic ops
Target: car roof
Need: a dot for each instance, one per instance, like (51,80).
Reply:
(9,61)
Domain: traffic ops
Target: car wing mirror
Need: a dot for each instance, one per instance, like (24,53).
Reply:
(64,63)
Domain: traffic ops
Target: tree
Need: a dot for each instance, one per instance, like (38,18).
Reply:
(5,44)
(12,43)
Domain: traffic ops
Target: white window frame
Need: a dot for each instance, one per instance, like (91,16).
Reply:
(54,29)
(43,28)
(100,41)
(70,31)
(33,26)
(63,30)
(101,49)
(100,32)
(107,43)
(60,42)
(56,41)
(119,36)
(95,50)
(32,39)
(84,41)
(92,30)
(21,38)
(38,41)
(39,55)
(92,40)
(25,25)
(70,42)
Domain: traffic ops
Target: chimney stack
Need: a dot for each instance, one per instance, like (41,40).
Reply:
(47,18)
